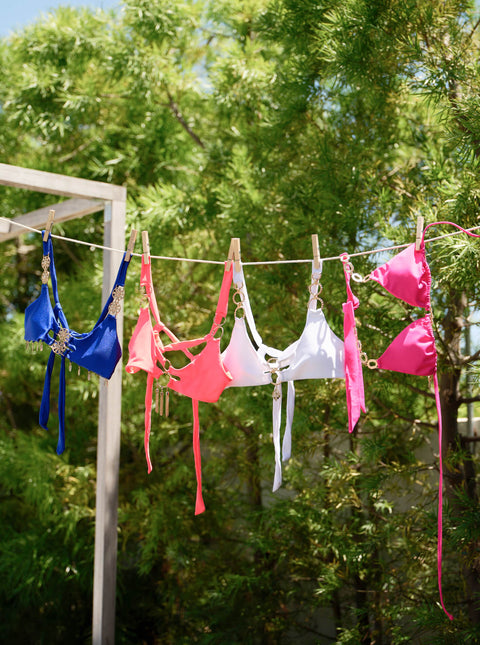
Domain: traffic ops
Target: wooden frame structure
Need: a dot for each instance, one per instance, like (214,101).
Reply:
(87,197)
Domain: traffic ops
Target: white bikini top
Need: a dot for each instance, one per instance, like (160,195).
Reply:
(318,353)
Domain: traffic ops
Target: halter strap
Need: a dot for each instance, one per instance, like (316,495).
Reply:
(440,495)
(284,453)
(58,311)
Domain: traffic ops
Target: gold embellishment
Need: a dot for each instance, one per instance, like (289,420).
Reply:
(45,267)
(118,294)
(274,377)
(315,289)
(277,392)
(60,344)
(162,395)
(238,300)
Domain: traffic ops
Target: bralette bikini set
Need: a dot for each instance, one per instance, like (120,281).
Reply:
(317,354)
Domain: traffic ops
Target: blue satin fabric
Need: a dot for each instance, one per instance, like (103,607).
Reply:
(97,350)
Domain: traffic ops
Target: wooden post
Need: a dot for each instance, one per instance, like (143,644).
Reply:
(83,192)
(108,453)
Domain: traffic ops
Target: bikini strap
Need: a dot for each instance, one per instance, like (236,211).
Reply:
(222,304)
(48,252)
(440,495)
(117,292)
(146,282)
(348,270)
(449,223)
(239,279)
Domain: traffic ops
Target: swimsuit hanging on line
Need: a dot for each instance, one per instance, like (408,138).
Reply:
(97,351)
(317,354)
(354,387)
(204,377)
(407,277)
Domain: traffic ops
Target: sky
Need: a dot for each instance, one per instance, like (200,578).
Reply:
(15,14)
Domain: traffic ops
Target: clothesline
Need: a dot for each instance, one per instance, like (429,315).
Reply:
(199,261)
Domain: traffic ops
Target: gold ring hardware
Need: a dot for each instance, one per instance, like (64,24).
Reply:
(238,299)
(356,277)
(219,327)
(372,364)
(319,290)
(348,266)
(239,308)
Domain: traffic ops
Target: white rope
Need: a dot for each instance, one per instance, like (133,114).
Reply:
(266,262)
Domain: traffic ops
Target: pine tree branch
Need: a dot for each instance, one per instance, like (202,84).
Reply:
(73,153)
(468,399)
(178,115)
(410,420)
(470,359)
(470,35)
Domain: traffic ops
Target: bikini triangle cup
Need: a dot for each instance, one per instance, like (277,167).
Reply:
(147,352)
(97,351)
(316,354)
(407,277)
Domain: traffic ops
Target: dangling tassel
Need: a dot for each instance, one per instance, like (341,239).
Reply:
(440,495)
(148,420)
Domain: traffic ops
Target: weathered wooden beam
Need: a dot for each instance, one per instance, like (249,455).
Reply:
(64,211)
(108,452)
(54,184)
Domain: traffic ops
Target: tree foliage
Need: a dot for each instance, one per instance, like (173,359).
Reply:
(267,120)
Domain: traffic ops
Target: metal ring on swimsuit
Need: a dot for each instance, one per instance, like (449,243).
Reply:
(241,297)
(356,277)
(241,308)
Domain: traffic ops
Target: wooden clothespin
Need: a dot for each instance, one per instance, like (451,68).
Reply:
(316,252)
(234,253)
(48,225)
(418,239)
(131,244)
(146,247)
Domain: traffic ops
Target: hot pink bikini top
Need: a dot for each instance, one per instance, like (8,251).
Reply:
(354,388)
(407,277)
(203,379)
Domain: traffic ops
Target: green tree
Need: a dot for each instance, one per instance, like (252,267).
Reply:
(269,121)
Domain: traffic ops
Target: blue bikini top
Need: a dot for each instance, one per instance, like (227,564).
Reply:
(97,350)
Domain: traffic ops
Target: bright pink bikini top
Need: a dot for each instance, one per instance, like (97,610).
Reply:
(354,388)
(407,277)
(203,379)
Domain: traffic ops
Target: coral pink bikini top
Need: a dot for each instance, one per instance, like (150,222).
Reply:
(203,379)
